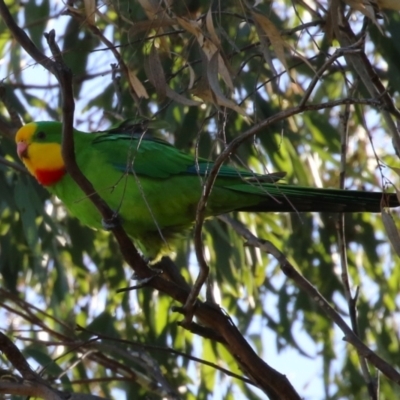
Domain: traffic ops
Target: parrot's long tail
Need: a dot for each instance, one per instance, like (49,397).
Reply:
(288,198)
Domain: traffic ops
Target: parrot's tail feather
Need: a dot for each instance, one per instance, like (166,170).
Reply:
(292,199)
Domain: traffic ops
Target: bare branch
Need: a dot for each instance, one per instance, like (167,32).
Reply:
(271,381)
(291,272)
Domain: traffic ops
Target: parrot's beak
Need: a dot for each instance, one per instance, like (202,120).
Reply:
(22,150)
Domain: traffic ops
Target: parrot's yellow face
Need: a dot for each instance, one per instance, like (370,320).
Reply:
(40,151)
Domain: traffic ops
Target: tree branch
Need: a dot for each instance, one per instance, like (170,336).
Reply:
(290,271)
(271,381)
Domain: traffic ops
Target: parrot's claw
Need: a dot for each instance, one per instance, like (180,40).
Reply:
(111,223)
(141,282)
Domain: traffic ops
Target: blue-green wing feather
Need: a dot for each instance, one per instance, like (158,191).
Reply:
(156,158)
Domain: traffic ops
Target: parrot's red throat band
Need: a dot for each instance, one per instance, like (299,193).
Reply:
(48,177)
(43,160)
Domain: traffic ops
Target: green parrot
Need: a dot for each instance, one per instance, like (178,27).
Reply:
(155,187)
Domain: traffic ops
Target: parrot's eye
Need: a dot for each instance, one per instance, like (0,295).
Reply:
(40,135)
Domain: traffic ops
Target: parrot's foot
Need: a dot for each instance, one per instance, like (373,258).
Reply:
(156,271)
(111,223)
(141,282)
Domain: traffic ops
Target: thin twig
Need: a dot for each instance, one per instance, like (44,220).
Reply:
(96,31)
(13,165)
(290,271)
(367,75)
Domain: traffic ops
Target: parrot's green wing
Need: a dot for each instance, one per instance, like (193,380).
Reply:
(156,158)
